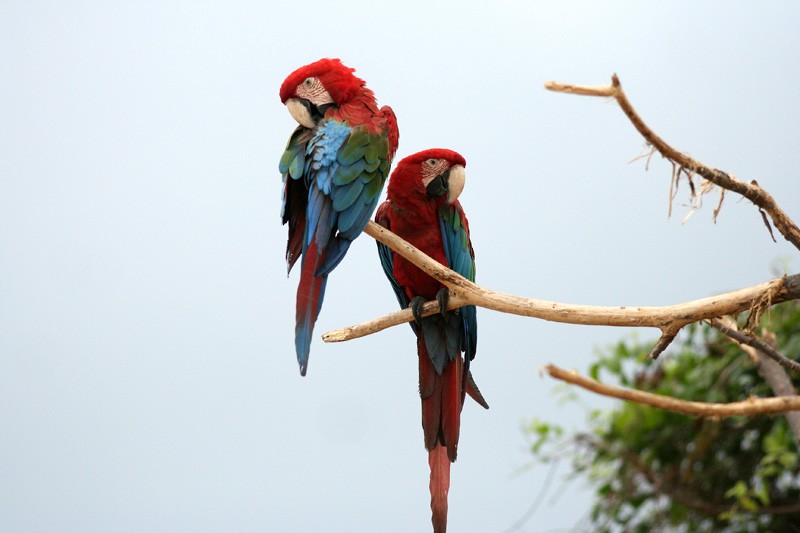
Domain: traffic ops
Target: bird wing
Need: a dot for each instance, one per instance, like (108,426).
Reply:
(345,168)
(387,259)
(292,167)
(460,258)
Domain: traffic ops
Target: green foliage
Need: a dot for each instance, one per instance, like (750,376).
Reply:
(656,470)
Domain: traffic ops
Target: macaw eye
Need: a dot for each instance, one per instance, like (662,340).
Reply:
(308,82)
(432,162)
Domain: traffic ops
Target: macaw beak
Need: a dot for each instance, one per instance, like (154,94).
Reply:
(457,178)
(305,113)
(439,185)
(449,183)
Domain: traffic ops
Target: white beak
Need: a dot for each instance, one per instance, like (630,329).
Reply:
(299,112)
(455,183)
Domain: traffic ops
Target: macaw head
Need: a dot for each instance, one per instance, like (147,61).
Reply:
(310,91)
(431,175)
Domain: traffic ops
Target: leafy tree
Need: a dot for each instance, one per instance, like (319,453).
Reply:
(656,470)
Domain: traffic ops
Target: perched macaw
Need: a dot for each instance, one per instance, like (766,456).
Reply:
(334,168)
(423,208)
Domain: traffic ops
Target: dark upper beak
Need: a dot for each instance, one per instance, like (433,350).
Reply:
(317,113)
(439,185)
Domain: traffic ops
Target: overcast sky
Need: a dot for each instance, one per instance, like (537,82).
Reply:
(148,380)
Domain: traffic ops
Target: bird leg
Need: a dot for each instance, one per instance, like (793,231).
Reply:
(442,297)
(415,305)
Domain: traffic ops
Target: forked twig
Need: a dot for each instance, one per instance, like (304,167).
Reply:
(751,406)
(752,191)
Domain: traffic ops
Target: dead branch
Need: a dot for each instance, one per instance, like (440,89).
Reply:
(771,364)
(751,406)
(752,191)
(729,329)
(669,319)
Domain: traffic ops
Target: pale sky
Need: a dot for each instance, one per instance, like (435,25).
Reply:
(148,380)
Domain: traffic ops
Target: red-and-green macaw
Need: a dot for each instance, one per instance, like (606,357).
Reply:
(334,168)
(423,208)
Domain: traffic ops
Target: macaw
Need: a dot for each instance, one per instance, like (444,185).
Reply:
(334,168)
(422,207)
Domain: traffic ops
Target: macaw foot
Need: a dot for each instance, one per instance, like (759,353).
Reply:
(415,305)
(442,297)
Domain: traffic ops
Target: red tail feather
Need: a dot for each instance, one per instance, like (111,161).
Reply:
(310,292)
(440,486)
(442,400)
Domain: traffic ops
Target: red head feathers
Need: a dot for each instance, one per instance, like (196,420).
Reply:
(414,174)
(338,80)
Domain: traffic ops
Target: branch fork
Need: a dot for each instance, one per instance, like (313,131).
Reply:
(669,319)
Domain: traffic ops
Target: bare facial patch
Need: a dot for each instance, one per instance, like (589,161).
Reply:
(313,90)
(432,168)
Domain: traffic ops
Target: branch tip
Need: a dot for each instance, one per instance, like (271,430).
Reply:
(750,406)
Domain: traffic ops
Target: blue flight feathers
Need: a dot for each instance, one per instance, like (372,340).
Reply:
(342,170)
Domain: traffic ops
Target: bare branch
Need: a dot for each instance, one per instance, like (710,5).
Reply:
(669,319)
(750,340)
(751,406)
(392,319)
(769,362)
(663,343)
(778,380)
(585,90)
(752,191)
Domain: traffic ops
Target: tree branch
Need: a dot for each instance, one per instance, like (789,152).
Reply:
(669,319)
(750,340)
(688,165)
(751,406)
(770,363)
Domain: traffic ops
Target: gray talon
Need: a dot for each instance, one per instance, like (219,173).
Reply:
(443,297)
(415,305)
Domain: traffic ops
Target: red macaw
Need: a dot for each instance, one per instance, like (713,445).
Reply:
(422,207)
(334,168)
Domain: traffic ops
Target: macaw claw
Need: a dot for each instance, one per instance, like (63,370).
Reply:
(443,296)
(415,305)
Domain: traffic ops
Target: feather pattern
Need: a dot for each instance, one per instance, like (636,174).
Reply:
(440,229)
(333,174)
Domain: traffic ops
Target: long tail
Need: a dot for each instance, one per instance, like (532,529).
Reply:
(440,485)
(442,400)
(310,293)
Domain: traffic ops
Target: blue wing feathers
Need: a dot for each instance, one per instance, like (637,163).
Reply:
(458,252)
(345,174)
(359,213)
(348,219)
(316,202)
(344,197)
(343,170)
(334,253)
(343,179)
(356,146)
